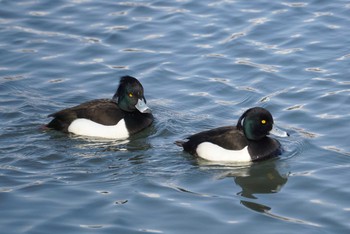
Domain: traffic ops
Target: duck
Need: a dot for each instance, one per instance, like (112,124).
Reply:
(118,118)
(248,141)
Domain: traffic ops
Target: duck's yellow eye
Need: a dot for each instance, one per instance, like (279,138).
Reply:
(131,95)
(263,121)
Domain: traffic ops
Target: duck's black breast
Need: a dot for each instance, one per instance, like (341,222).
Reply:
(136,121)
(264,149)
(102,111)
(227,137)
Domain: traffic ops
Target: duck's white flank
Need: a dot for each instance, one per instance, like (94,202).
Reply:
(87,127)
(212,152)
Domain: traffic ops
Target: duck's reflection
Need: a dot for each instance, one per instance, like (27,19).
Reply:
(262,179)
(258,178)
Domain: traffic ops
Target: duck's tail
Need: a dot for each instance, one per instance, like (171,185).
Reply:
(180,143)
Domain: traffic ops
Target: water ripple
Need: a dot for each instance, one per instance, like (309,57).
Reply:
(263,67)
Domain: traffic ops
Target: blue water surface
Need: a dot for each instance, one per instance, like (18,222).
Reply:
(202,64)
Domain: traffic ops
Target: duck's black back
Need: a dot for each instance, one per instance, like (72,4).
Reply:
(102,111)
(227,137)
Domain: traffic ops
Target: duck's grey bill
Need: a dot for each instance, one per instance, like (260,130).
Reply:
(142,107)
(278,132)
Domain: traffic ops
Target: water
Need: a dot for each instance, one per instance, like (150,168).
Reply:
(202,63)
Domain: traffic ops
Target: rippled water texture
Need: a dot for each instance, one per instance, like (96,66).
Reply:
(202,63)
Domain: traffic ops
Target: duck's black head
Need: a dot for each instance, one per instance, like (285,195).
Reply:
(129,95)
(257,123)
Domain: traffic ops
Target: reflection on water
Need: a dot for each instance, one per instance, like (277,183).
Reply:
(261,179)
(257,178)
(266,177)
